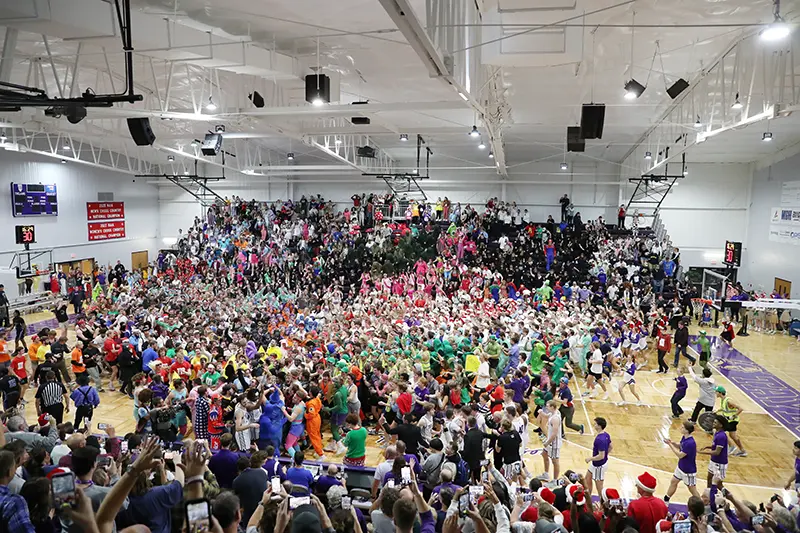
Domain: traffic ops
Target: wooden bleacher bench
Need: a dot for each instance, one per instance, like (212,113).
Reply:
(31,303)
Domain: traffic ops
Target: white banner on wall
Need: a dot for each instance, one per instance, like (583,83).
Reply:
(784,224)
(790,193)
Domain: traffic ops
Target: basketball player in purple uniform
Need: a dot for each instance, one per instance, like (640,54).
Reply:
(686,470)
(718,466)
(794,480)
(598,462)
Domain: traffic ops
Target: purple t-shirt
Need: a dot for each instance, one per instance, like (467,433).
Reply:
(681,385)
(688,464)
(720,441)
(519,386)
(602,442)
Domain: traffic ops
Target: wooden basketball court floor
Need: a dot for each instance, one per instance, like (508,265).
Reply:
(637,432)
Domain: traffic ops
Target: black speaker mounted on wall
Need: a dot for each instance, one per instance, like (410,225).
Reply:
(141,131)
(575,142)
(593,117)
(318,89)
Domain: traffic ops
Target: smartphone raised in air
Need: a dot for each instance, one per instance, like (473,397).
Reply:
(682,526)
(405,474)
(276,484)
(198,516)
(463,504)
(62,487)
(297,501)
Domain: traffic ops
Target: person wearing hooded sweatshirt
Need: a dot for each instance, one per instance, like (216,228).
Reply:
(271,421)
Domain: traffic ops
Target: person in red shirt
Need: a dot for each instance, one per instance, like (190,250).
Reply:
(664,346)
(112,348)
(18,368)
(647,510)
(621,217)
(182,367)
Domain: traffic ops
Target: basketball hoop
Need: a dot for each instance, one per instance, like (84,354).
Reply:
(697,305)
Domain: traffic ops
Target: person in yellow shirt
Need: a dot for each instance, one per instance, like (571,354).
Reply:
(32,352)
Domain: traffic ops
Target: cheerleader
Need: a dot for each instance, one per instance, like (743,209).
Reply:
(629,380)
(727,334)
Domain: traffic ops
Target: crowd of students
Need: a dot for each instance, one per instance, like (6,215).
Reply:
(452,339)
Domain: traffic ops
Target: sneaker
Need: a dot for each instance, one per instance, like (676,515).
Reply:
(581,429)
(620,404)
(676,417)
(112,389)
(101,390)
(543,477)
(639,403)
(341,449)
(739,453)
(605,396)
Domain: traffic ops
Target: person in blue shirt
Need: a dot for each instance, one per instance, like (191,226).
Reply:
(273,465)
(13,508)
(298,475)
(328,480)
(86,399)
(148,356)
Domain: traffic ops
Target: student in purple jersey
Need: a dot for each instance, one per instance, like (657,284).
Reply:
(598,462)
(628,380)
(718,466)
(794,479)
(686,470)
(566,407)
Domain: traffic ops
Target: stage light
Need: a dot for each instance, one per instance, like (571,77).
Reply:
(170,158)
(564,166)
(404,137)
(648,155)
(482,145)
(776,31)
(474,132)
(767,137)
(491,155)
(211,106)
(633,89)
(697,123)
(290,156)
(737,104)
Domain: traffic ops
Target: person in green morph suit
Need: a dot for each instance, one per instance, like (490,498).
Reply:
(705,348)
(338,413)
(560,366)
(493,349)
(535,360)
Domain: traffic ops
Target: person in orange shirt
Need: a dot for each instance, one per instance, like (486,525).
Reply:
(314,421)
(19,370)
(5,357)
(78,367)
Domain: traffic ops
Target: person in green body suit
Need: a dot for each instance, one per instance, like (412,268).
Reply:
(338,413)
(535,360)
(560,366)
(493,350)
(705,348)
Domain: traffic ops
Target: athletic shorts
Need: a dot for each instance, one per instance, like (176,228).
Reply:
(731,426)
(690,480)
(717,470)
(629,380)
(22,381)
(598,472)
(596,376)
(554,449)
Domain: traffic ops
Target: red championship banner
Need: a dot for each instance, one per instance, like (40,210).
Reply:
(103,231)
(105,210)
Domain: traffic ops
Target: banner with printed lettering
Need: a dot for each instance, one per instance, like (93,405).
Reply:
(784,225)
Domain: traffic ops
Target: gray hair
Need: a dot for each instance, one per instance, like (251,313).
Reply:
(783,517)
(17,423)
(334,495)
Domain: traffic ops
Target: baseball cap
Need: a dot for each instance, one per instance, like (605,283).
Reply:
(720,389)
(703,332)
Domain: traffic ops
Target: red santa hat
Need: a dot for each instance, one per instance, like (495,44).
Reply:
(575,492)
(646,482)
(546,495)
(609,494)
(662,526)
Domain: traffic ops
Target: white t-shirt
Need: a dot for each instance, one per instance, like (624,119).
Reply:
(484,379)
(596,361)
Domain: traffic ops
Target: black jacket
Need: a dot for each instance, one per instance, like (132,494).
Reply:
(682,336)
(473,446)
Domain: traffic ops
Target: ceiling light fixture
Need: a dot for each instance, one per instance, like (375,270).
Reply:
(63,161)
(290,156)
(482,145)
(697,123)
(66,146)
(404,137)
(474,132)
(737,104)
(778,30)
(337,142)
(648,155)
(170,158)
(3,136)
(685,171)
(767,136)
(194,143)
(491,155)
(564,166)
(318,102)
(463,96)
(211,106)
(633,89)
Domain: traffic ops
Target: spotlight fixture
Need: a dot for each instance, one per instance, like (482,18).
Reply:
(318,89)
(767,136)
(697,123)
(474,132)
(170,158)
(648,155)
(63,161)
(404,137)
(778,30)
(318,102)
(633,89)
(482,145)
(290,156)
(564,166)
(491,155)
(211,106)
(737,104)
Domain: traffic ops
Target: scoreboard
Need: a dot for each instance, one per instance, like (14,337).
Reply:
(26,234)
(733,254)
(33,199)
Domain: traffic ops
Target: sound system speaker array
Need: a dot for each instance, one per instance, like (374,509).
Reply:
(575,142)
(593,118)
(141,132)
(677,88)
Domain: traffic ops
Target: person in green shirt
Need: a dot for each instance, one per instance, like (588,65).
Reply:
(355,441)
(493,349)
(210,377)
(338,412)
(705,348)
(535,360)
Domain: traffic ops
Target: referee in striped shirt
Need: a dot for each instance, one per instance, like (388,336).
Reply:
(52,397)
